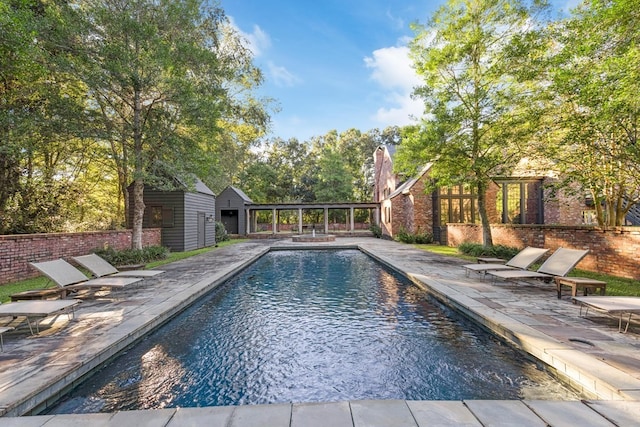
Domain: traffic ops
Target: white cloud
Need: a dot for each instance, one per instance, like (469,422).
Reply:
(281,76)
(392,70)
(257,41)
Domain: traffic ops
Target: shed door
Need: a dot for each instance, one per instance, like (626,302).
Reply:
(201,230)
(229,218)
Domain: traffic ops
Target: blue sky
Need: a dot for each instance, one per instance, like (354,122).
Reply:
(333,64)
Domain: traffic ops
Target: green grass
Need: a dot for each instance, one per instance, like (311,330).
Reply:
(42,282)
(615,285)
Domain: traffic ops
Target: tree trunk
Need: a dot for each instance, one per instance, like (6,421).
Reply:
(487,240)
(138,214)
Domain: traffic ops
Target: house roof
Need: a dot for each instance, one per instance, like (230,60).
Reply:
(406,186)
(202,188)
(240,193)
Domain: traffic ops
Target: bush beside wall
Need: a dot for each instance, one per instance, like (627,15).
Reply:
(614,250)
(17,251)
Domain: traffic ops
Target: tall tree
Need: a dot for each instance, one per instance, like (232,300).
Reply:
(593,119)
(41,114)
(162,74)
(472,58)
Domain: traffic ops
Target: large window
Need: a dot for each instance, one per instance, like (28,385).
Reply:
(458,204)
(519,202)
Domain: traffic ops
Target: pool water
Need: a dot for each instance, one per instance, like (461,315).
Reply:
(309,326)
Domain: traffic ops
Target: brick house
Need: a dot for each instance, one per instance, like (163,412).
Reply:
(524,198)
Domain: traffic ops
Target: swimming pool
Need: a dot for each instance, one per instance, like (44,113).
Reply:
(305,326)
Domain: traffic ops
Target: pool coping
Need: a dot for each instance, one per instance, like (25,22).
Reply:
(592,375)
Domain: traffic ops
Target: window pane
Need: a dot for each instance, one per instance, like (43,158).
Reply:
(466,211)
(513,204)
(499,203)
(444,211)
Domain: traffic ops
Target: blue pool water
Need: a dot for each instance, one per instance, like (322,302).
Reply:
(305,326)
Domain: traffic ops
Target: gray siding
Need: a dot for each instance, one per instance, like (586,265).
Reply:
(180,217)
(229,199)
(196,203)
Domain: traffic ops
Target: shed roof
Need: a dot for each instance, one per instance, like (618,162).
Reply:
(239,192)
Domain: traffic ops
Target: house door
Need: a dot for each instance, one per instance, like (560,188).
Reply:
(229,218)
(201,230)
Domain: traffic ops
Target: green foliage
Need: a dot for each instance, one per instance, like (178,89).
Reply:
(133,256)
(221,232)
(376,230)
(420,237)
(497,251)
(593,111)
(473,60)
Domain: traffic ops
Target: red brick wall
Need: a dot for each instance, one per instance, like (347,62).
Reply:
(16,251)
(413,211)
(614,251)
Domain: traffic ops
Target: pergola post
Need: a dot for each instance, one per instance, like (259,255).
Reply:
(300,221)
(326,220)
(273,220)
(352,220)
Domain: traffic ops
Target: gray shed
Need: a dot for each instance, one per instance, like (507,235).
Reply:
(185,216)
(231,210)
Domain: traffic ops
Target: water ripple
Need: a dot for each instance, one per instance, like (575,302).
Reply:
(311,326)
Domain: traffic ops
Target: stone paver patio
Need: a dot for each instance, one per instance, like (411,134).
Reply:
(588,353)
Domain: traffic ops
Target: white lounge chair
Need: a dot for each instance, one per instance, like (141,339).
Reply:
(100,267)
(70,279)
(38,310)
(560,263)
(611,305)
(521,261)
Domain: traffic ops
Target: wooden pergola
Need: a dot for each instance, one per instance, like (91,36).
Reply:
(349,208)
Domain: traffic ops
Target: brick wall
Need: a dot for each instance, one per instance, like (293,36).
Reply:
(412,211)
(16,251)
(614,250)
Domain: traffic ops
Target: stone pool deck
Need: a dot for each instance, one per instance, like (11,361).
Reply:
(588,352)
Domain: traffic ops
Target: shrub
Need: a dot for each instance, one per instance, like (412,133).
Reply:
(376,230)
(133,256)
(477,250)
(221,232)
(419,237)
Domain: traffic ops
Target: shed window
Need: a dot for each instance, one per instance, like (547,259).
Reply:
(160,217)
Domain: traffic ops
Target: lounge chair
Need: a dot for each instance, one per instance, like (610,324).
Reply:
(4,329)
(559,264)
(70,279)
(612,305)
(521,261)
(100,267)
(38,310)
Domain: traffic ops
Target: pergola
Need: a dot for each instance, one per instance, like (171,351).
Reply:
(349,208)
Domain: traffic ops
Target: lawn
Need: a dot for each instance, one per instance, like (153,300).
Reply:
(615,285)
(42,282)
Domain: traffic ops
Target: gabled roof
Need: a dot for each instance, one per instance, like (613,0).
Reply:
(240,193)
(406,186)
(202,188)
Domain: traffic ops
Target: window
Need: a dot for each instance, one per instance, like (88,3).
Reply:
(458,204)
(160,217)
(519,202)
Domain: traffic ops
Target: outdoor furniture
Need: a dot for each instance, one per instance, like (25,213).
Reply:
(490,260)
(521,261)
(99,267)
(560,263)
(38,294)
(70,279)
(38,310)
(576,283)
(3,329)
(611,305)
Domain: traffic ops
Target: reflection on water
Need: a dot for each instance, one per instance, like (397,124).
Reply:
(305,326)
